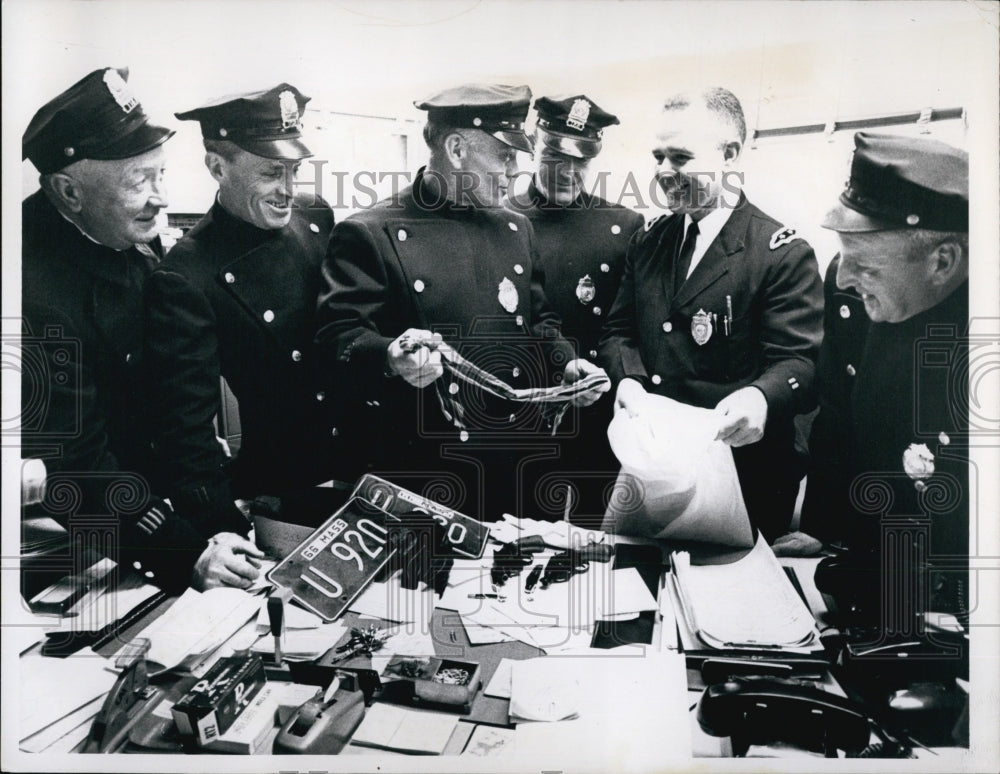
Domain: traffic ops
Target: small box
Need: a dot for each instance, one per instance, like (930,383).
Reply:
(214,702)
(437,680)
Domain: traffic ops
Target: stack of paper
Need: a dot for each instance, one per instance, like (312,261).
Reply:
(749,603)
(59,695)
(196,625)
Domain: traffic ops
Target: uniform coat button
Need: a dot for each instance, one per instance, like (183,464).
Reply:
(518,268)
(418,285)
(597,311)
(128,357)
(512,226)
(605,268)
(453,388)
(268,315)
(401,235)
(851,370)
(593,353)
(845,311)
(296,355)
(656,379)
(334,432)
(668,326)
(230,277)
(616,229)
(320,396)
(515,372)
(314,228)
(519,321)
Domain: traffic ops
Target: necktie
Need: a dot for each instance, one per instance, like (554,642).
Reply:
(683,262)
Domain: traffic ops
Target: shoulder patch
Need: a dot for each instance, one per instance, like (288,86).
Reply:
(782,237)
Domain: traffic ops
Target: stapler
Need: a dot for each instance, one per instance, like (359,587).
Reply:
(129,700)
(324,724)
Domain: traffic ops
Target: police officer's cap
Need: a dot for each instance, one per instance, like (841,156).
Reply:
(903,182)
(497,109)
(572,125)
(97,117)
(266,123)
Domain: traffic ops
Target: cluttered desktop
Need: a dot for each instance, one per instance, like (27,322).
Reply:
(401,627)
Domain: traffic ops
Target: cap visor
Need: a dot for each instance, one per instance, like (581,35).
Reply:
(517,140)
(577,147)
(146,137)
(846,220)
(285,148)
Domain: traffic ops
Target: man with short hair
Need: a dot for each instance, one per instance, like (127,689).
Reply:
(444,262)
(236,298)
(89,245)
(581,244)
(889,447)
(720,306)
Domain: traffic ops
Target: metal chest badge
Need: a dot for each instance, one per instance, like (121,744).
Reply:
(701,327)
(507,295)
(289,109)
(585,289)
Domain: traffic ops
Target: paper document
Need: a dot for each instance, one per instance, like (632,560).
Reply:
(406,730)
(746,603)
(196,624)
(52,688)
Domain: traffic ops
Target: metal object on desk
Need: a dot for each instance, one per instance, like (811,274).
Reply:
(431,680)
(323,725)
(131,697)
(62,596)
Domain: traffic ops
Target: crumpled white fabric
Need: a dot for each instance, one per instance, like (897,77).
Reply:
(676,481)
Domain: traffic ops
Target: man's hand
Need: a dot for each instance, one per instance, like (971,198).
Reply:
(742,416)
(631,397)
(415,358)
(229,560)
(579,369)
(796,544)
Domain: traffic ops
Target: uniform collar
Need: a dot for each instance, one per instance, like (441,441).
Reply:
(239,231)
(711,225)
(90,255)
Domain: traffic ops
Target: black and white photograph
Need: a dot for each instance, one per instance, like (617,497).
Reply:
(501,386)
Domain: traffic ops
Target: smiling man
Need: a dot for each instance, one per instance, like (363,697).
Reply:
(444,260)
(720,306)
(89,245)
(236,298)
(893,370)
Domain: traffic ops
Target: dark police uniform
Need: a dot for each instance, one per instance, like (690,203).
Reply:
(773,281)
(471,274)
(84,408)
(238,301)
(581,246)
(884,387)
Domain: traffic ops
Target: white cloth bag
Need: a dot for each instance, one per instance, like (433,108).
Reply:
(676,481)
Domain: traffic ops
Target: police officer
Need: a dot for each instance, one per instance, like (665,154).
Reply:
(236,298)
(720,306)
(89,244)
(581,243)
(444,261)
(894,366)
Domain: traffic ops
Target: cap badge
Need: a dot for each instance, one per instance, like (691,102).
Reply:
(578,115)
(289,109)
(701,327)
(585,290)
(507,295)
(119,91)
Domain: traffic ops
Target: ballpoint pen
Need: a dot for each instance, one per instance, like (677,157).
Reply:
(729,315)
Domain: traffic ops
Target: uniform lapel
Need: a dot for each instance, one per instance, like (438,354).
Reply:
(718,258)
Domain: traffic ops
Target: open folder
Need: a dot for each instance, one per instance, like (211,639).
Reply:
(749,603)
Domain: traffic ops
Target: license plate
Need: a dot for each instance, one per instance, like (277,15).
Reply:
(464,536)
(334,564)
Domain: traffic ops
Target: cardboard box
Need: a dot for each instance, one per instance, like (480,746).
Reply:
(214,702)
